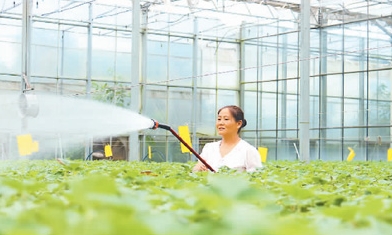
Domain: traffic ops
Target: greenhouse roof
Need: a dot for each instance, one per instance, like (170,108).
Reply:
(217,18)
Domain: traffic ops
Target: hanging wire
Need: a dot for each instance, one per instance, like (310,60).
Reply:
(10,8)
(67,7)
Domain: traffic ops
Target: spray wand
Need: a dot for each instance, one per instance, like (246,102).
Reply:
(166,127)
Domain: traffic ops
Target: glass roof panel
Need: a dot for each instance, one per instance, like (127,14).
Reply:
(217,18)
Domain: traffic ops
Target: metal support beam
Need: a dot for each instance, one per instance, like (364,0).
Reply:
(144,52)
(89,141)
(134,148)
(283,83)
(194,84)
(242,64)
(89,49)
(323,66)
(26,44)
(304,81)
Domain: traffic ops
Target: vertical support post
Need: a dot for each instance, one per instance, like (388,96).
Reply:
(144,51)
(134,148)
(323,93)
(259,88)
(195,101)
(242,65)
(26,43)
(283,100)
(89,139)
(89,49)
(361,95)
(304,80)
(62,62)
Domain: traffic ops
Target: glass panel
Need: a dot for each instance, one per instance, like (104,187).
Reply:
(314,110)
(354,138)
(207,112)
(175,154)
(157,70)
(334,112)
(227,97)
(208,78)
(179,108)
(287,145)
(353,113)
(292,112)
(380,85)
(155,105)
(378,141)
(267,140)
(45,37)
(251,65)
(157,145)
(268,111)
(334,47)
(44,61)
(332,150)
(75,54)
(354,46)
(227,71)
(269,62)
(314,60)
(379,44)
(251,110)
(181,61)
(123,67)
(157,59)
(10,59)
(380,94)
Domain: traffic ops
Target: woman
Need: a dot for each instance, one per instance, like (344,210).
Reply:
(231,150)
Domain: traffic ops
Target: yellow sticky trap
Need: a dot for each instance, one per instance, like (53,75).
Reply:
(26,145)
(184,134)
(108,151)
(351,155)
(389,157)
(263,153)
(149,152)
(35,146)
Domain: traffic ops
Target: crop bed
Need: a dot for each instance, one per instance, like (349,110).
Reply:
(117,197)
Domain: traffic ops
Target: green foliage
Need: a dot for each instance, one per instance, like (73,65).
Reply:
(117,94)
(117,197)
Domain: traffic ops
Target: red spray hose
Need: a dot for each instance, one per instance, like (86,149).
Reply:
(166,127)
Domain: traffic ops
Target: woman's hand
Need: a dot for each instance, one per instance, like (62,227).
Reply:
(199,167)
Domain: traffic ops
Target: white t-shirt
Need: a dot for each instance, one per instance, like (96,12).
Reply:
(243,156)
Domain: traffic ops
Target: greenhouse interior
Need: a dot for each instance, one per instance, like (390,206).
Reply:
(313,77)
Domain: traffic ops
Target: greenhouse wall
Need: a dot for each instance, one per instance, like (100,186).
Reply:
(187,75)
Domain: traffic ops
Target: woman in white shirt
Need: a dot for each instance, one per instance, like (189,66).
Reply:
(231,151)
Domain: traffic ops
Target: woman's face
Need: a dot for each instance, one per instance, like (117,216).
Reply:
(226,124)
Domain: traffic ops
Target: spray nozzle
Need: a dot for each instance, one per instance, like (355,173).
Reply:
(156,125)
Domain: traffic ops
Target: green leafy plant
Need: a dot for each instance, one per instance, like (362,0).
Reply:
(114,197)
(117,94)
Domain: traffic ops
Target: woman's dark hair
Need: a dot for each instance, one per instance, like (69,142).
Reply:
(237,113)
